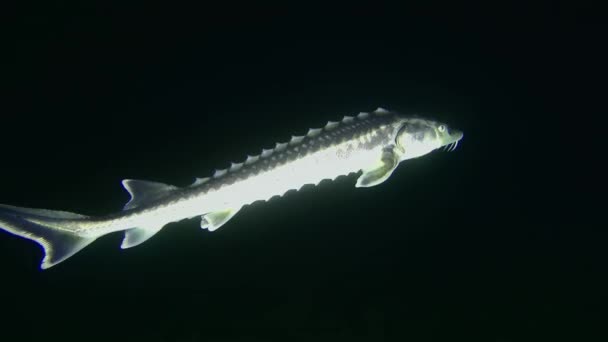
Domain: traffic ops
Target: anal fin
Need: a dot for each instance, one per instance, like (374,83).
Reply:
(137,236)
(216,219)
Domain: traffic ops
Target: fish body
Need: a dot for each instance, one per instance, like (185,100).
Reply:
(371,143)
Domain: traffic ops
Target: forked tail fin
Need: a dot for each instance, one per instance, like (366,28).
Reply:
(44,227)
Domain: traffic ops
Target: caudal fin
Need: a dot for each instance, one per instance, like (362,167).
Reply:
(42,226)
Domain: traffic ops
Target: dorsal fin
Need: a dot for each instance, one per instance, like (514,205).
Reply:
(144,191)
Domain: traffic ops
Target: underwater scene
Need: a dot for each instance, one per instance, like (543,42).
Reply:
(264,174)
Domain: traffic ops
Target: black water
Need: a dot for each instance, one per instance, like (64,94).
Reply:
(477,244)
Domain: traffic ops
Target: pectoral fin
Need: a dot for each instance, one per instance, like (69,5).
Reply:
(380,172)
(216,219)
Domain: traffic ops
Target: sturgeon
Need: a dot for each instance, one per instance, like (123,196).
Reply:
(371,144)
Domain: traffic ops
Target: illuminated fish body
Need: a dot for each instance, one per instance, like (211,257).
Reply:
(371,143)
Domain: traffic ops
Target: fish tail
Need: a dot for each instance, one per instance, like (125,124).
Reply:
(56,231)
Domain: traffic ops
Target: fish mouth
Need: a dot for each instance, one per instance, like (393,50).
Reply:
(452,143)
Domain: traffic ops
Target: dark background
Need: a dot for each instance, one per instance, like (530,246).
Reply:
(484,243)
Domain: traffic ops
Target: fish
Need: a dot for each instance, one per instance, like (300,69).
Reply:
(370,144)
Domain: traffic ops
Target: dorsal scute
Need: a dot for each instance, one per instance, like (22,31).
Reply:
(362,115)
(313,132)
(266,153)
(280,147)
(252,159)
(219,173)
(199,181)
(381,111)
(348,119)
(235,166)
(296,139)
(331,125)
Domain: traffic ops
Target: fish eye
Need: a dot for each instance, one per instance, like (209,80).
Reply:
(441,128)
